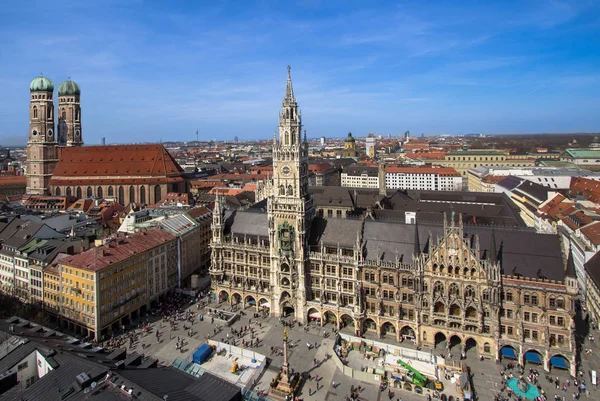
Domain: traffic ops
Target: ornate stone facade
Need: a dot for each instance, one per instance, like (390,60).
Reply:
(502,292)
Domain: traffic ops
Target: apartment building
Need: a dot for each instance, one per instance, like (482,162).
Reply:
(360,177)
(423,178)
(105,287)
(17,239)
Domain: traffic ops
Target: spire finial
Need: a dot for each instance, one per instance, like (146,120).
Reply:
(417,244)
(289,90)
(493,251)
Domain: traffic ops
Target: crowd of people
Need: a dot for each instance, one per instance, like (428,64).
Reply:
(576,387)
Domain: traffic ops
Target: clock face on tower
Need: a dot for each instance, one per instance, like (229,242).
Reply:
(285,170)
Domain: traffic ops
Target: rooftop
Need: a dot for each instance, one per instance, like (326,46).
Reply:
(592,232)
(98,162)
(583,153)
(121,248)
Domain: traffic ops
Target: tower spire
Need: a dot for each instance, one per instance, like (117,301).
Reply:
(493,252)
(289,89)
(417,249)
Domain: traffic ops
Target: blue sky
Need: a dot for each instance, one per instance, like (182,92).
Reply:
(152,70)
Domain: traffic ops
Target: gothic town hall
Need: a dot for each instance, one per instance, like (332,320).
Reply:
(503,292)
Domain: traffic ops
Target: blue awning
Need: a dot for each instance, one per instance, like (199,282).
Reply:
(508,352)
(532,356)
(559,362)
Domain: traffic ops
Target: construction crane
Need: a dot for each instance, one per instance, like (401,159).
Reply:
(414,375)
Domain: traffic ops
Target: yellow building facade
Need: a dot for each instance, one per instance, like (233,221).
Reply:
(106,288)
(51,290)
(463,160)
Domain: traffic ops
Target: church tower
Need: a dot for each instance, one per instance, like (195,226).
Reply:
(69,114)
(42,151)
(290,209)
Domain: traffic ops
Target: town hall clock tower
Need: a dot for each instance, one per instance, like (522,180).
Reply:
(290,211)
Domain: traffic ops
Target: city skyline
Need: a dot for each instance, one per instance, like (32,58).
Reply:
(148,72)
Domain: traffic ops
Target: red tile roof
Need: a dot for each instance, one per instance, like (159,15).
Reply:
(577,220)
(492,179)
(121,248)
(319,168)
(103,163)
(12,180)
(592,232)
(197,212)
(589,189)
(558,198)
(225,191)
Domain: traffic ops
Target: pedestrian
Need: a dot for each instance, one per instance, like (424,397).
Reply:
(309,391)
(333,383)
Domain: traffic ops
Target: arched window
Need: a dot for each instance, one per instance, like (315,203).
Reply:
(111,192)
(78,193)
(99,193)
(453,290)
(486,295)
(35,111)
(68,191)
(290,190)
(121,198)
(281,190)
(50,134)
(142,194)
(560,303)
(469,292)
(89,192)
(157,194)
(57,191)
(438,288)
(131,194)
(77,114)
(63,114)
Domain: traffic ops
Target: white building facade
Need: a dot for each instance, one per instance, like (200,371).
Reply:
(423,178)
(360,177)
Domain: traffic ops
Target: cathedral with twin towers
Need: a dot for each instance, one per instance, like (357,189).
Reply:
(59,165)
